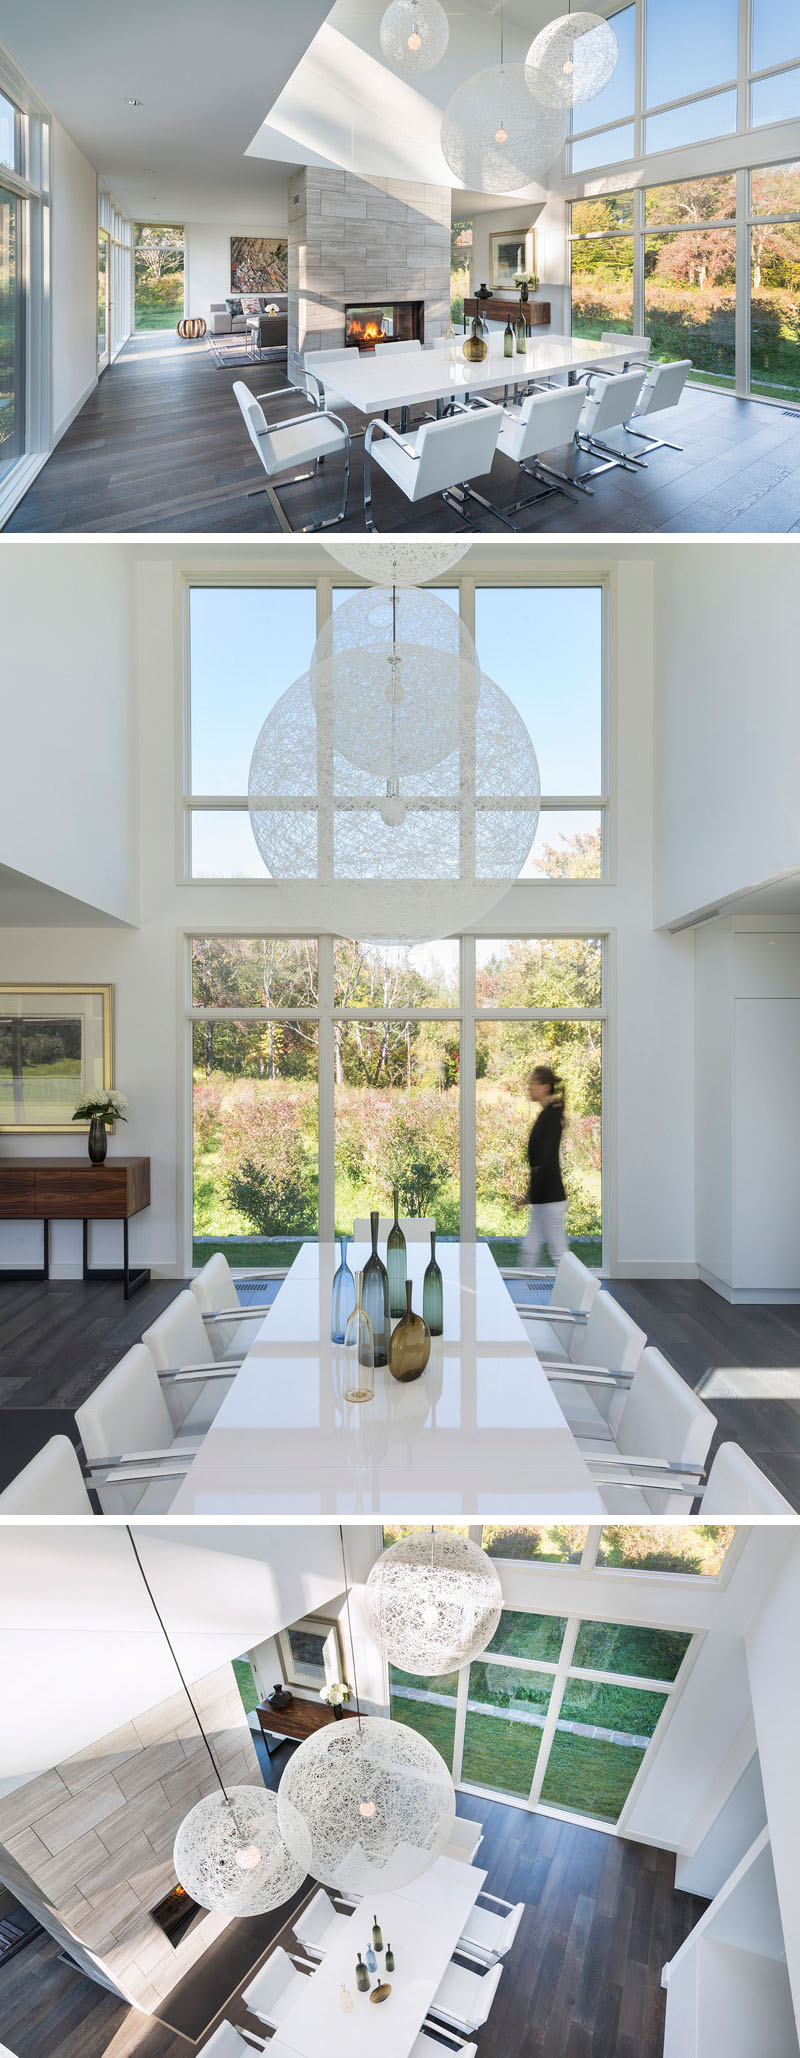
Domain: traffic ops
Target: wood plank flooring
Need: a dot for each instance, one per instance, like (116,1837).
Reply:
(582,1980)
(160,446)
(57,1341)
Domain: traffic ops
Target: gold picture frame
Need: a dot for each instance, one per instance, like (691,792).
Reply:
(511,251)
(311,1653)
(56,1042)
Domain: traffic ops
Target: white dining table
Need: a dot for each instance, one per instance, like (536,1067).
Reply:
(423,1930)
(480,1433)
(378,381)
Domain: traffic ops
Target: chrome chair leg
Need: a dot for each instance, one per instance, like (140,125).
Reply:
(653,442)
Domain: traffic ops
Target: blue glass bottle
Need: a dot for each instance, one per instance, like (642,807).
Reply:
(375,1297)
(432,1293)
(372,1962)
(343,1295)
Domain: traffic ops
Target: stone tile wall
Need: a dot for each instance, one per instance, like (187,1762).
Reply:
(353,239)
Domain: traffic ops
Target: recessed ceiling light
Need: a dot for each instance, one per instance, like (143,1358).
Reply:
(134,103)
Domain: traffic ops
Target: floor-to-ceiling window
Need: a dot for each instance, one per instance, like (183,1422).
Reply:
(690,275)
(601,267)
(24,277)
(775,282)
(115,277)
(158,262)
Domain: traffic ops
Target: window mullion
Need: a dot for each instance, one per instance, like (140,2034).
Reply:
(742,316)
(467,1093)
(554,1708)
(325,1089)
(462,1697)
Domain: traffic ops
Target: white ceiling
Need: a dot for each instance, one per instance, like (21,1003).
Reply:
(26,903)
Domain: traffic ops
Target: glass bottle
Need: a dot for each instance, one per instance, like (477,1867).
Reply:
(345,1999)
(389,1958)
(475,348)
(343,1294)
(377,1938)
(410,1347)
(522,332)
(433,1293)
(508,340)
(372,1962)
(396,1263)
(450,344)
(359,1377)
(362,1976)
(375,1297)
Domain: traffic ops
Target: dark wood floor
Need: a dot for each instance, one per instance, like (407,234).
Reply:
(161,446)
(58,1340)
(582,1979)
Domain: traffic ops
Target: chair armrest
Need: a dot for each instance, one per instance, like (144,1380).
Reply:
(497,1898)
(570,1370)
(643,1481)
(132,1474)
(220,1368)
(238,1315)
(458,2043)
(258,2043)
(675,1466)
(305,1964)
(550,1314)
(379,427)
(315,381)
(183,1447)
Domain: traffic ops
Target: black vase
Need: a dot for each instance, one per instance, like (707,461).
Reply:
(98,1140)
(280,1697)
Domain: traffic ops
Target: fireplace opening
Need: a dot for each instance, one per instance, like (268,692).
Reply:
(369,324)
(176,1914)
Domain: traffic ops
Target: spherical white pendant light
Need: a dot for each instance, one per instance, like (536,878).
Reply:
(392,669)
(571,60)
(433,1602)
(230,1854)
(366,1805)
(396,561)
(496,137)
(414,34)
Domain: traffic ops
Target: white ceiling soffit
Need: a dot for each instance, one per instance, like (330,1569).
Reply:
(204,77)
(27,903)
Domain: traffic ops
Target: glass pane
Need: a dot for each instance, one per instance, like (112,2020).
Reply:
(222,846)
(427,1705)
(248,1691)
(596,217)
(397,1120)
(12,333)
(568,845)
(691,200)
(158,276)
(601,273)
(689,48)
(624,1647)
(102,294)
(690,301)
(617,98)
(627,1711)
(506,1713)
(519,1635)
(614,146)
(544,646)
(539,972)
(691,1547)
(590,1775)
(8,134)
(776,32)
(254,972)
(256,1159)
(247,644)
(695,123)
(553,1544)
(775,311)
(392,1532)
(776,99)
(370,975)
(775,189)
(461,241)
(505,1055)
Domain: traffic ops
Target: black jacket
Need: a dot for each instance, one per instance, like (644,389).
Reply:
(544,1153)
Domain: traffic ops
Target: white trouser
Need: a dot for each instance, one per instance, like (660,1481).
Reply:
(545,1225)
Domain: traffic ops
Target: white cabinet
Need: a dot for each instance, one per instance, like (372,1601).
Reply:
(728,1993)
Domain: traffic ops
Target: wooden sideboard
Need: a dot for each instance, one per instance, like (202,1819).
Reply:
(74,1190)
(536,312)
(300,1721)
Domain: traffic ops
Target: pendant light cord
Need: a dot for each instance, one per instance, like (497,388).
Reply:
(350,1627)
(171,1649)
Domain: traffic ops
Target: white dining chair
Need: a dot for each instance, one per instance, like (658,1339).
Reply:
(655,1461)
(136,1457)
(217,1297)
(609,398)
(427,2046)
(319,1924)
(546,421)
(489,1934)
(228,2041)
(594,1379)
(662,388)
(416,1228)
(439,457)
(276,1986)
(636,348)
(466,1838)
(52,1483)
(281,447)
(194,1381)
(465,1998)
(737,1488)
(552,1327)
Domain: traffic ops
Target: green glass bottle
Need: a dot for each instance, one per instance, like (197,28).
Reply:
(433,1293)
(375,1297)
(362,1975)
(396,1262)
(522,332)
(389,1958)
(508,340)
(377,1939)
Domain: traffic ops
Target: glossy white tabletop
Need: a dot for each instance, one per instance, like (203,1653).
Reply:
(387,378)
(480,1433)
(423,1930)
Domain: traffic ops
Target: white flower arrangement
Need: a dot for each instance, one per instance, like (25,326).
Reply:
(102,1105)
(336,1693)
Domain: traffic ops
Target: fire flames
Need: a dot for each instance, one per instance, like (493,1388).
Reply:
(366,334)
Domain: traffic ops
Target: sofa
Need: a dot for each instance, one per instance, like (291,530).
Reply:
(228,317)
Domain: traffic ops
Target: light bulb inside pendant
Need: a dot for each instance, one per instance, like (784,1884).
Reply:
(249,1857)
(569,68)
(415,39)
(367,1809)
(392,807)
(501,135)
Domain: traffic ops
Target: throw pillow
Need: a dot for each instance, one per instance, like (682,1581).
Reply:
(233,304)
(251,303)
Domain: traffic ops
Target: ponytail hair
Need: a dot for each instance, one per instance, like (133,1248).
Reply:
(547,1077)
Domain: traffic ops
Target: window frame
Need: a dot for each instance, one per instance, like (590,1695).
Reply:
(30,186)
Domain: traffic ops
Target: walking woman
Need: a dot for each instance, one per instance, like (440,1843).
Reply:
(545,1197)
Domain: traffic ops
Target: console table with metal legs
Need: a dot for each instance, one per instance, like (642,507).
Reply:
(74,1190)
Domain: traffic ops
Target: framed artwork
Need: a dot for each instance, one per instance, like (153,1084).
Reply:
(311,1653)
(56,1042)
(510,252)
(259,264)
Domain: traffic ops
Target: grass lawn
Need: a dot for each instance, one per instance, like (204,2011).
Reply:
(500,1754)
(437,1724)
(246,1684)
(529,1636)
(590,1776)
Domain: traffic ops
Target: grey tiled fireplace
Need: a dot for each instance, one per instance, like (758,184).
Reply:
(370,244)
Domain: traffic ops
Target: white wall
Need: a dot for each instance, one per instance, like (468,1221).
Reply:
(727,631)
(74,290)
(773,1659)
(208,255)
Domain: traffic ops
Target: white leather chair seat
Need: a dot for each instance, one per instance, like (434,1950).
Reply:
(398,463)
(51,1484)
(300,443)
(492,1933)
(465,1998)
(581,1412)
